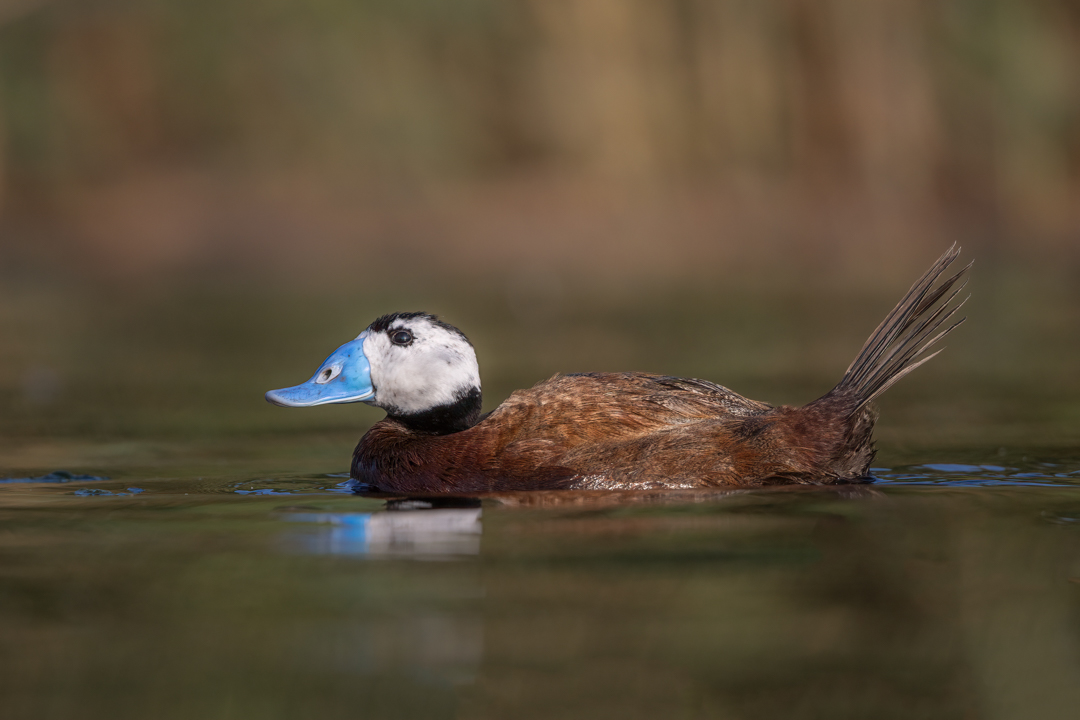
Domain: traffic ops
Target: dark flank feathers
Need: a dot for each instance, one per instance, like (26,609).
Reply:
(640,431)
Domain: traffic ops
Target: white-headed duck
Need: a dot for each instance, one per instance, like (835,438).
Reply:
(619,431)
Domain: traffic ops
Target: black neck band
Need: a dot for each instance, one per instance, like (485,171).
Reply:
(453,417)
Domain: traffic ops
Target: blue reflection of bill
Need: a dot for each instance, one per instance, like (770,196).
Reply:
(438,534)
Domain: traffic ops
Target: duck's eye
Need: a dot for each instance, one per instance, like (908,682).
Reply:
(401,337)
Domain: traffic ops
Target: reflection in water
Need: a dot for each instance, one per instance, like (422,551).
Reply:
(434,646)
(422,534)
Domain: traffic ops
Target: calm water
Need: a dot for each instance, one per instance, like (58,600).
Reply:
(225,570)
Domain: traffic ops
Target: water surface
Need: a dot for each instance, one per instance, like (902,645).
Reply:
(205,557)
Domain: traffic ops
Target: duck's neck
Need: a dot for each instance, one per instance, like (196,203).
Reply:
(461,414)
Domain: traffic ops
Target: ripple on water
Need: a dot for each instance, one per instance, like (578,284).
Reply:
(294,486)
(1037,474)
(1032,474)
(88,492)
(57,476)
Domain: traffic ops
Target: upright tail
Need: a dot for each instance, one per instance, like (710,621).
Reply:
(904,336)
(843,419)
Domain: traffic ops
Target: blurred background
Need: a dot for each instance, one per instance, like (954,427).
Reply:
(199,200)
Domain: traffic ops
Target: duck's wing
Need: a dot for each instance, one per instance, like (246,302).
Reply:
(570,411)
(631,401)
(690,398)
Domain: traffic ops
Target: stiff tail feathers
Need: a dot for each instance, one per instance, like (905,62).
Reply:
(922,318)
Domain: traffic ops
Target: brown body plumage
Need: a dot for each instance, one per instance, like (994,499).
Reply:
(615,431)
(640,431)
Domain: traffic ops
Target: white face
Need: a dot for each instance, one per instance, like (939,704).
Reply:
(437,366)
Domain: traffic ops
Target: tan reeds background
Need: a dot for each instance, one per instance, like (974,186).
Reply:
(589,139)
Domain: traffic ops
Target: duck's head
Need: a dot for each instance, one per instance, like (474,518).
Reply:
(417,368)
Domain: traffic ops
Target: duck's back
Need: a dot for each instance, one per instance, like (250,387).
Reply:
(597,430)
(583,409)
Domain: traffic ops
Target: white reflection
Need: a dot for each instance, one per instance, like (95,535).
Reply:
(421,534)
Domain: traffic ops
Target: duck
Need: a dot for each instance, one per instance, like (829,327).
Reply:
(610,430)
